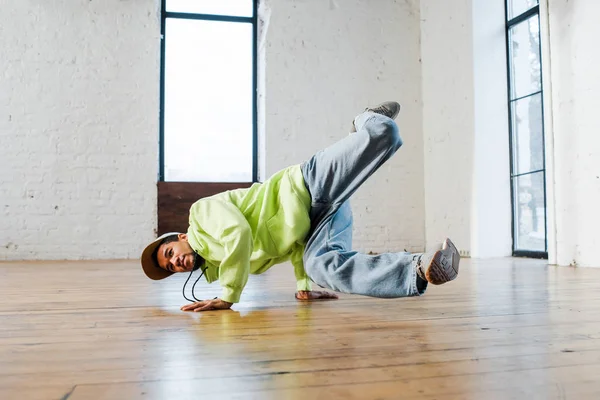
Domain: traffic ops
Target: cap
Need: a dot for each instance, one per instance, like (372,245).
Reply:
(150,264)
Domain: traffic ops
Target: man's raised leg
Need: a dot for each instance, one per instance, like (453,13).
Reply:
(332,176)
(335,173)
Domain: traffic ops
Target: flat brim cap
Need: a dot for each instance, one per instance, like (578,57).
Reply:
(150,265)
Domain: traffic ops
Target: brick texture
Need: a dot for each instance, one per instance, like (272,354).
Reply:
(79,98)
(79,128)
(325,61)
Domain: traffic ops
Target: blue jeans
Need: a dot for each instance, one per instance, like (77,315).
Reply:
(332,176)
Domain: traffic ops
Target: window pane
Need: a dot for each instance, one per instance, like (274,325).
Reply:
(527,140)
(208,101)
(239,8)
(518,7)
(530,213)
(524,40)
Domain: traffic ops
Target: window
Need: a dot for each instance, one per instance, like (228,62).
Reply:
(208,91)
(528,171)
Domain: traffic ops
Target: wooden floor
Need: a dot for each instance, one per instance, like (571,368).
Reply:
(505,329)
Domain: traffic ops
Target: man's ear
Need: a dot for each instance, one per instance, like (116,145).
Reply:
(183,236)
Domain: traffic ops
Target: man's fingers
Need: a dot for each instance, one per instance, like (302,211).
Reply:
(205,307)
(191,307)
(215,304)
(187,307)
(210,305)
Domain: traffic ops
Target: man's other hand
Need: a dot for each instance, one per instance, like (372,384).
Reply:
(206,305)
(314,295)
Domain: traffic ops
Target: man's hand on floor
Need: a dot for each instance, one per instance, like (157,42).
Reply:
(206,305)
(314,295)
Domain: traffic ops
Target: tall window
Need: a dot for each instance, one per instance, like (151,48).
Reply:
(208,91)
(528,167)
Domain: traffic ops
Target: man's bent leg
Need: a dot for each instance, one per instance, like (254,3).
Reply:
(333,174)
(330,262)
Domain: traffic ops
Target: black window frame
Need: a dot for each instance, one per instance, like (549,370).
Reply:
(511,23)
(209,17)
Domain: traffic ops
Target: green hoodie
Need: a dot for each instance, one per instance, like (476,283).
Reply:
(247,231)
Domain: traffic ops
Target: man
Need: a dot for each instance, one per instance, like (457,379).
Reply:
(301,214)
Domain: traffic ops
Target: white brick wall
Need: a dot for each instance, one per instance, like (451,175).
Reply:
(575,84)
(79,127)
(491,213)
(79,92)
(448,119)
(79,121)
(327,60)
(465,125)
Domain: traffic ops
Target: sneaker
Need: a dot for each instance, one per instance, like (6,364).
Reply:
(440,266)
(390,109)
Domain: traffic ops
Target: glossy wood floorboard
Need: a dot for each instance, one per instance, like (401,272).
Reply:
(505,329)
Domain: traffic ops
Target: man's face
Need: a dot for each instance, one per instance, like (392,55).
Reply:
(176,256)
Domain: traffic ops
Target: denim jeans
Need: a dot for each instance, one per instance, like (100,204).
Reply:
(332,176)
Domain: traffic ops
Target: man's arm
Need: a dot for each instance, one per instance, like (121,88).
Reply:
(226,225)
(303,282)
(235,267)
